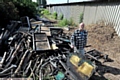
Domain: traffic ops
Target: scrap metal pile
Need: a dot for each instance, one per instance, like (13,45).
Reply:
(22,55)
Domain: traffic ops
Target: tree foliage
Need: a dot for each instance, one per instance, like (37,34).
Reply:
(14,9)
(8,12)
(63,22)
(28,9)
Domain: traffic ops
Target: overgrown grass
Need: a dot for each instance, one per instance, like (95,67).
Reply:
(61,21)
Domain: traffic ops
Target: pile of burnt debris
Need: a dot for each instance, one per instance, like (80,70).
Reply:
(31,50)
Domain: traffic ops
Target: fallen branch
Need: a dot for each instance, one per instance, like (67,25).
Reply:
(26,71)
(18,68)
(13,55)
(1,62)
(9,68)
(32,70)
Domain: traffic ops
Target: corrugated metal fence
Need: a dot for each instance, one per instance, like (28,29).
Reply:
(93,12)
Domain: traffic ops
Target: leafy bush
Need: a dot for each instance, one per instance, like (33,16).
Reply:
(26,9)
(8,12)
(13,9)
(66,22)
(71,21)
(55,15)
(61,17)
(63,22)
(81,17)
(45,12)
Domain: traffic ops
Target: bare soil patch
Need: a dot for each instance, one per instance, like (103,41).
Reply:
(104,39)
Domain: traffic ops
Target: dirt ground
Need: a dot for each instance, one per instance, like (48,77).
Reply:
(104,39)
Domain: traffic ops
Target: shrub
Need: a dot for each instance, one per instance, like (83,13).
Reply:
(26,9)
(7,12)
(63,22)
(55,15)
(71,21)
(66,22)
(81,17)
(45,12)
(61,17)
(14,9)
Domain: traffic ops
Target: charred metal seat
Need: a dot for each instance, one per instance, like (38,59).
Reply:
(56,31)
(25,24)
(40,42)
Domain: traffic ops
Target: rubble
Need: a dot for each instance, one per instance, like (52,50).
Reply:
(29,53)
